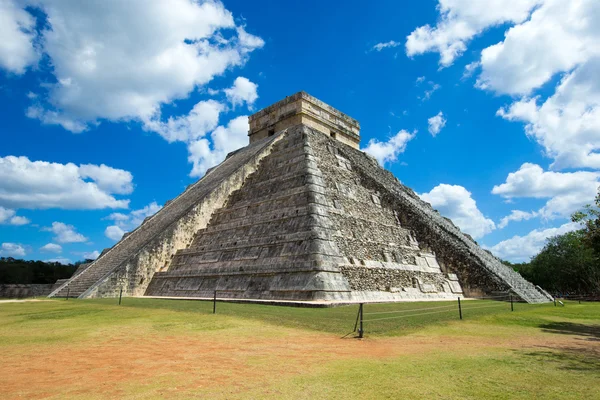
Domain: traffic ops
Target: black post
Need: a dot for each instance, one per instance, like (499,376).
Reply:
(512,307)
(459,309)
(357,318)
(215,303)
(68,290)
(360,329)
(120,295)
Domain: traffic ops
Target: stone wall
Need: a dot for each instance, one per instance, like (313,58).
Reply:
(16,291)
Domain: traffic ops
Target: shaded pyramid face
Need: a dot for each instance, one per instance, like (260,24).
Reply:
(298,216)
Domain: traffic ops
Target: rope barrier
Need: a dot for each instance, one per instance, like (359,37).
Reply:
(489,297)
(412,310)
(475,308)
(406,316)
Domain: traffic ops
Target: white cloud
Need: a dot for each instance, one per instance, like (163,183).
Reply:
(128,222)
(455,202)
(386,152)
(470,69)
(567,124)
(41,184)
(567,191)
(114,232)
(522,248)
(125,61)
(386,45)
(242,91)
(52,248)
(91,255)
(419,80)
(436,123)
(17,32)
(516,215)
(460,21)
(559,36)
(224,140)
(8,216)
(433,87)
(12,250)
(203,118)
(60,260)
(65,233)
(109,179)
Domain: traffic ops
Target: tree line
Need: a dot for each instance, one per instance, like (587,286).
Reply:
(14,270)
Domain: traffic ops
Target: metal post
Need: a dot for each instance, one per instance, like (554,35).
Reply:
(555,302)
(459,309)
(360,329)
(120,295)
(68,290)
(357,318)
(512,307)
(215,303)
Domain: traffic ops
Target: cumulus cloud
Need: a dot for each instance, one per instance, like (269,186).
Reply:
(17,30)
(125,61)
(12,250)
(516,215)
(567,124)
(127,222)
(51,248)
(455,202)
(386,45)
(567,191)
(114,232)
(225,139)
(8,216)
(388,151)
(203,118)
(559,36)
(522,248)
(460,21)
(91,255)
(65,233)
(41,184)
(242,91)
(436,123)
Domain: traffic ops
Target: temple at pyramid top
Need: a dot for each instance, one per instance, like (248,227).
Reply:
(304,109)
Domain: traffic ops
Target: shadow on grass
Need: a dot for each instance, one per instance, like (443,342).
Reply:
(568,358)
(590,332)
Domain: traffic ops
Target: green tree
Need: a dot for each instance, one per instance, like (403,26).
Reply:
(589,217)
(566,264)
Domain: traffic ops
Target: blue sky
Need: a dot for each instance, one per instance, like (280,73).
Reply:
(491,112)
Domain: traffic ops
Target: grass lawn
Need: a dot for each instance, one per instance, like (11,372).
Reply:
(148,348)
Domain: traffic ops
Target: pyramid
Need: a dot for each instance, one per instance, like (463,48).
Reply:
(299,215)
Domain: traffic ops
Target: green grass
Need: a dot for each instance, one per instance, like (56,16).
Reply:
(537,351)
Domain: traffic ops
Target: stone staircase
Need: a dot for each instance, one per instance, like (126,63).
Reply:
(134,242)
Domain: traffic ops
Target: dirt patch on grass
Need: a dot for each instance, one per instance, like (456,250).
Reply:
(119,365)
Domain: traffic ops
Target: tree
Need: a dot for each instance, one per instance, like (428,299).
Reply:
(566,264)
(589,217)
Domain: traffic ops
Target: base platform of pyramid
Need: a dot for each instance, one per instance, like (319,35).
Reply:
(299,215)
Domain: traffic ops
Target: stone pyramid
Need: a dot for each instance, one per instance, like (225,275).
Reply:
(301,215)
